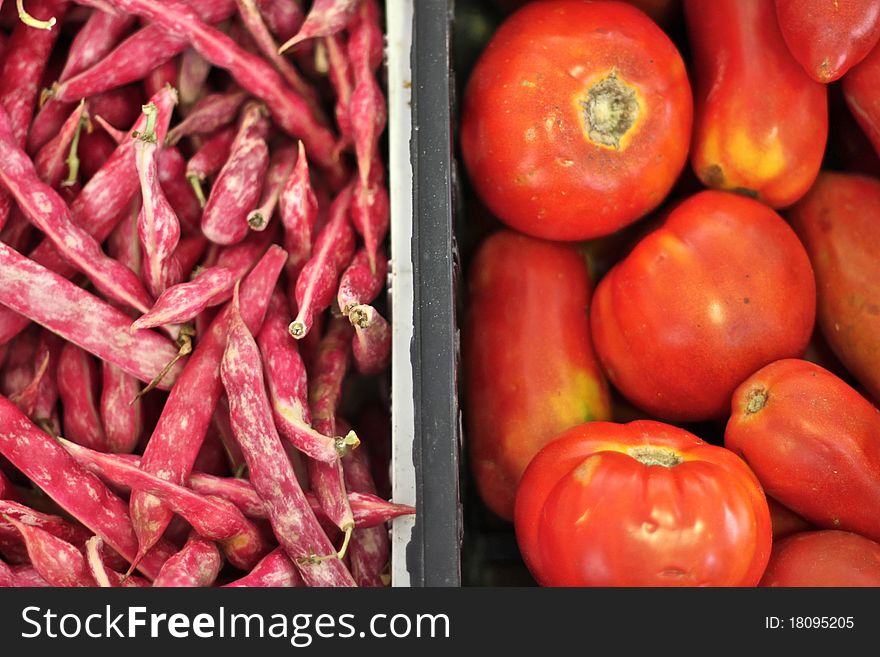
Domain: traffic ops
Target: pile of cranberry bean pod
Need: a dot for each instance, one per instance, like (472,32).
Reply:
(194,222)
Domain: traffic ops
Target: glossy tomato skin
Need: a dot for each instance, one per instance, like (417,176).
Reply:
(722,288)
(813,442)
(839,224)
(529,365)
(824,558)
(860,86)
(761,123)
(589,512)
(828,37)
(576,119)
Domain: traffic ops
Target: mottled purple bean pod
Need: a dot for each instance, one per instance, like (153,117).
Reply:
(158,225)
(318,281)
(236,191)
(77,386)
(269,468)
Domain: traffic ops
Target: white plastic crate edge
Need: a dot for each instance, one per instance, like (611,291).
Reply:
(399,22)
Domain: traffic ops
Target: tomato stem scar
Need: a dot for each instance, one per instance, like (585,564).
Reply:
(756,401)
(654,455)
(610,110)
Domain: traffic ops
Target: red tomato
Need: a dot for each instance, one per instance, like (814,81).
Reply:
(722,288)
(576,119)
(761,122)
(641,504)
(824,558)
(860,86)
(828,37)
(839,225)
(530,370)
(813,442)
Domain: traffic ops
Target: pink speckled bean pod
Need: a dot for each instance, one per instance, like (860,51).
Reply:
(182,302)
(208,160)
(211,517)
(77,386)
(288,388)
(103,575)
(280,168)
(158,226)
(370,549)
(57,561)
(80,317)
(359,284)
(136,56)
(121,409)
(97,36)
(51,161)
(209,114)
(275,570)
(289,110)
(342,79)
(325,17)
(298,208)
(371,345)
(196,565)
(371,211)
(325,391)
(77,491)
(237,188)
(318,281)
(368,110)
(368,510)
(256,27)
(25,58)
(175,442)
(269,468)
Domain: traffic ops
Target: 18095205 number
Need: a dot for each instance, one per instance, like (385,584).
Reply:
(821,622)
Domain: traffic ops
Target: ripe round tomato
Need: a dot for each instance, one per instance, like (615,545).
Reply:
(824,558)
(722,288)
(576,119)
(641,504)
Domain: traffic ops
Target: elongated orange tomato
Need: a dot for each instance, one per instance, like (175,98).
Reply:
(530,371)
(761,122)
